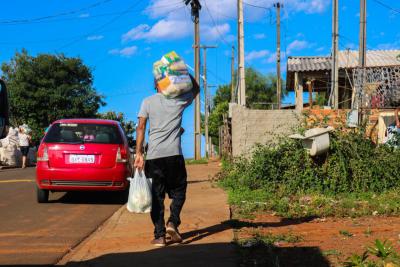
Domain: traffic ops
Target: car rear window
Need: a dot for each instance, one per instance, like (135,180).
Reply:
(78,133)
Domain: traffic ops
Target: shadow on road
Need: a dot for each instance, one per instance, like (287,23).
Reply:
(216,255)
(88,197)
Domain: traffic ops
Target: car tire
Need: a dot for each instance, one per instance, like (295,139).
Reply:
(42,195)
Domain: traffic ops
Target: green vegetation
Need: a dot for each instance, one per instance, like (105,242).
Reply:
(269,239)
(194,162)
(127,125)
(346,233)
(356,178)
(383,252)
(48,87)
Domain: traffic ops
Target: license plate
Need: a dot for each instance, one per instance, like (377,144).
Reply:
(81,159)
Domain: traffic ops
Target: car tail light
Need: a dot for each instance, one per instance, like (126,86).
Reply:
(122,156)
(43,154)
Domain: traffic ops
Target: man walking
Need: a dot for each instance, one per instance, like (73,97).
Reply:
(164,161)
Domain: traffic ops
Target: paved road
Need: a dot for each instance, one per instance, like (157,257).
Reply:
(32,233)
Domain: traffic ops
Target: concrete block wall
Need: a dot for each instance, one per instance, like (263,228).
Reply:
(251,127)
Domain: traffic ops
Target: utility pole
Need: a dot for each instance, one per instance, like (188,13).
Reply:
(278,54)
(335,54)
(241,72)
(195,10)
(233,100)
(363,34)
(205,47)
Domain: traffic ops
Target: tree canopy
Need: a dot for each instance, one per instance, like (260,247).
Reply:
(48,87)
(129,126)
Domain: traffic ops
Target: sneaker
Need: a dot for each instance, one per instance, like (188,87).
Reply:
(173,232)
(159,242)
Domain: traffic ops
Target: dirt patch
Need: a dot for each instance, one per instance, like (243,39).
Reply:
(319,242)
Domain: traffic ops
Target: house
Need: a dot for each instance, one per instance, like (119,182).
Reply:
(378,89)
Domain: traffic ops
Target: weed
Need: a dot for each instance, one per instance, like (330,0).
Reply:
(346,233)
(368,232)
(331,252)
(383,251)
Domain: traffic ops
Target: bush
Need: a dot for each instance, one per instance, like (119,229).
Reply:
(353,165)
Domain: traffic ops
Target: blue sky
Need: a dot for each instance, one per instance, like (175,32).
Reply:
(120,39)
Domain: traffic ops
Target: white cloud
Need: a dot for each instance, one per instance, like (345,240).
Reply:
(297,45)
(162,30)
(218,32)
(94,37)
(259,36)
(320,49)
(256,55)
(136,33)
(174,18)
(124,52)
(84,15)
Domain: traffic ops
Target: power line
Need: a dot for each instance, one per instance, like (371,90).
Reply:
(261,7)
(387,6)
(216,26)
(66,13)
(33,21)
(102,26)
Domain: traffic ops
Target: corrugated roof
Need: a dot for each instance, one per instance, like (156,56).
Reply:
(347,59)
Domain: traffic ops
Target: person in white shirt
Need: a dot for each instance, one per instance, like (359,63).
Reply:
(24,140)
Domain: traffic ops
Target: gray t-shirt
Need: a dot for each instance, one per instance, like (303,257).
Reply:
(165,118)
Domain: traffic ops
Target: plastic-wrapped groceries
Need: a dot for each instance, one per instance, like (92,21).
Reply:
(139,199)
(172,75)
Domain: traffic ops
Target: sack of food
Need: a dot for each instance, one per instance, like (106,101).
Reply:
(171,75)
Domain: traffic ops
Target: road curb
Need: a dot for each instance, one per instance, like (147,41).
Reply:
(64,259)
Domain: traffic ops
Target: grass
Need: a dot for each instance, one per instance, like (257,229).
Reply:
(268,239)
(346,233)
(194,161)
(246,202)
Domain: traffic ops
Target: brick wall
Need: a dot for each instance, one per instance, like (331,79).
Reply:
(251,127)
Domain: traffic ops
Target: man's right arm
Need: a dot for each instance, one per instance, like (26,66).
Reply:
(140,132)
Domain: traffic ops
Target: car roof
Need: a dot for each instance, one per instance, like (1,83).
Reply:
(88,121)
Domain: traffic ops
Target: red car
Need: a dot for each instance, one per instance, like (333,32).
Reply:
(82,154)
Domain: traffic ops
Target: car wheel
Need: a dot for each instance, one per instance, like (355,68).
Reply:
(42,195)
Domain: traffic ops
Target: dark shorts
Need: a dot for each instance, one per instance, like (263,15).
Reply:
(24,150)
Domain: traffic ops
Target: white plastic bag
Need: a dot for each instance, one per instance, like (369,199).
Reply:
(139,199)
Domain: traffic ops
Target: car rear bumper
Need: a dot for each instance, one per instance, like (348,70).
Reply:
(82,179)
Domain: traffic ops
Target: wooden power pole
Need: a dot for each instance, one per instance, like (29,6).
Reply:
(195,10)
(278,54)
(363,34)
(206,104)
(335,53)
(241,72)
(233,100)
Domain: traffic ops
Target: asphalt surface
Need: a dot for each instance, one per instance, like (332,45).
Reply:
(40,234)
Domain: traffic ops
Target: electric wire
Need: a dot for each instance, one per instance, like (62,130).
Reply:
(71,12)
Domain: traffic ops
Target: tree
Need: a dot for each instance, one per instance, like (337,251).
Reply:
(48,87)
(127,125)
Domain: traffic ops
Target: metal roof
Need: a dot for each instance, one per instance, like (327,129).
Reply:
(347,59)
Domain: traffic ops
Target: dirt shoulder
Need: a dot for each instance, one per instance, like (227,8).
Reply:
(317,242)
(124,239)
